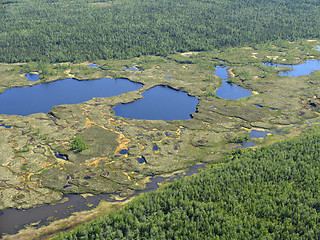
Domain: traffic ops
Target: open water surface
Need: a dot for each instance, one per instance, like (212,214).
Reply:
(41,98)
(298,70)
(32,77)
(159,103)
(228,90)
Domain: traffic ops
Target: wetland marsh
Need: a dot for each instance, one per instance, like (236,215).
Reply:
(33,174)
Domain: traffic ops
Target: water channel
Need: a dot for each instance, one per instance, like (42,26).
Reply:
(12,220)
(228,90)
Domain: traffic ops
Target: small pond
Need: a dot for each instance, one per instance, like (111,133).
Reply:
(33,77)
(132,68)
(159,103)
(298,70)
(93,65)
(255,134)
(41,98)
(227,90)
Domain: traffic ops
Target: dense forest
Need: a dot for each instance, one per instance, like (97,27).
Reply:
(268,193)
(79,30)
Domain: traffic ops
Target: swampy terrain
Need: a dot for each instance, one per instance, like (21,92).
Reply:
(39,163)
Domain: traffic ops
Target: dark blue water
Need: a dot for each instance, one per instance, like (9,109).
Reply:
(299,70)
(32,77)
(93,65)
(141,160)
(124,151)
(5,126)
(42,97)
(159,103)
(229,91)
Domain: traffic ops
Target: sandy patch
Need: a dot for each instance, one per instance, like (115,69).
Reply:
(273,57)
(68,73)
(189,53)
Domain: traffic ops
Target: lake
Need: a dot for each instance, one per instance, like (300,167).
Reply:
(298,70)
(159,103)
(41,98)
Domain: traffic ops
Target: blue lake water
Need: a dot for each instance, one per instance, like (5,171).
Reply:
(41,98)
(298,70)
(32,77)
(227,90)
(159,103)
(93,65)
(318,48)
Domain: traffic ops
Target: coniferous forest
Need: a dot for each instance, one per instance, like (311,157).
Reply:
(268,193)
(80,30)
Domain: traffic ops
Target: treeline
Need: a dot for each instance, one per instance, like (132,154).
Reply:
(80,30)
(268,193)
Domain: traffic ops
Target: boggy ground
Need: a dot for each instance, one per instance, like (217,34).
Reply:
(37,165)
